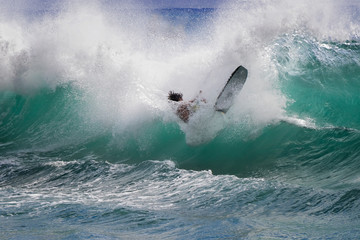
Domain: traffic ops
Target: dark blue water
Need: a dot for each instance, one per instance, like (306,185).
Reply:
(90,148)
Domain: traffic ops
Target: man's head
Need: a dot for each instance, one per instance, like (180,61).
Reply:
(175,96)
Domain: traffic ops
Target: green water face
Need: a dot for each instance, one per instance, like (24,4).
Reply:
(322,80)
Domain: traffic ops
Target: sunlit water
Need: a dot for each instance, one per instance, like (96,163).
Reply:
(90,148)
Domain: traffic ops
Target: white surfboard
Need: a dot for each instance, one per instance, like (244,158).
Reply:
(231,89)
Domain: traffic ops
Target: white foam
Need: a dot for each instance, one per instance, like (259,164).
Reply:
(127,60)
(301,122)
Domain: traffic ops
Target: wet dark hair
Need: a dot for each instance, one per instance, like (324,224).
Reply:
(175,96)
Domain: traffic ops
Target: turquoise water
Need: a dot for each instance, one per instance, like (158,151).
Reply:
(91,149)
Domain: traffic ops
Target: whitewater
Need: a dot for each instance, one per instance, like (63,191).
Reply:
(90,147)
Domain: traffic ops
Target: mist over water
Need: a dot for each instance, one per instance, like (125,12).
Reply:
(90,147)
(127,61)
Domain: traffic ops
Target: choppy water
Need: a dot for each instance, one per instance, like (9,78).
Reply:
(91,149)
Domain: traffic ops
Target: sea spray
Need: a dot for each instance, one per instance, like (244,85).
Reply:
(91,148)
(126,64)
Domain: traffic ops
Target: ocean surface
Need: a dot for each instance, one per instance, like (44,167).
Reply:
(90,147)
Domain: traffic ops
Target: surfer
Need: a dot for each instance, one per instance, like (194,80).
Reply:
(223,102)
(185,109)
